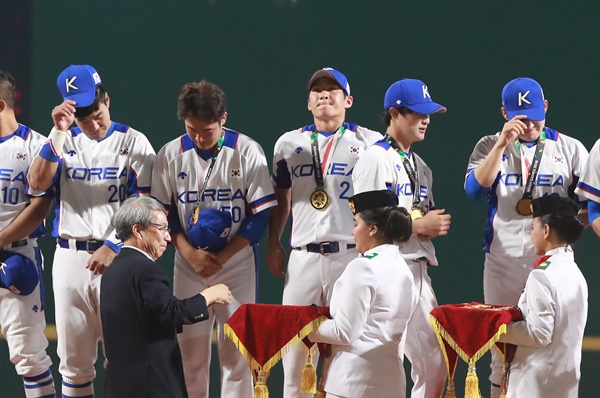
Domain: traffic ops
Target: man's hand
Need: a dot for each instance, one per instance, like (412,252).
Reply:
(434,223)
(276,258)
(218,294)
(204,263)
(63,115)
(511,130)
(100,259)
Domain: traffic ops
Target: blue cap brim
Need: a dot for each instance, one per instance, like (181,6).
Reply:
(536,114)
(427,108)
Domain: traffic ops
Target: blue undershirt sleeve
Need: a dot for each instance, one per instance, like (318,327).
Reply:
(593,210)
(253,226)
(474,190)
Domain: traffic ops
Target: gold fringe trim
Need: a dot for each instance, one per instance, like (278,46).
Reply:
(254,365)
(440,331)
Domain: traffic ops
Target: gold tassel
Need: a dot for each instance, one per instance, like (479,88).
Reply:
(308,384)
(260,389)
(450,391)
(472,382)
(321,390)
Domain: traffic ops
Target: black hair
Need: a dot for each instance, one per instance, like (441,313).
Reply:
(567,227)
(203,100)
(387,118)
(7,88)
(99,98)
(393,222)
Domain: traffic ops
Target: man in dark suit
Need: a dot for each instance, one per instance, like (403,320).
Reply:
(140,315)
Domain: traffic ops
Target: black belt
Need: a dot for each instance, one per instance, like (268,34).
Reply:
(324,247)
(89,246)
(19,243)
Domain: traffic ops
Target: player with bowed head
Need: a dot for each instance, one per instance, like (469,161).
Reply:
(524,161)
(22,315)
(215,183)
(392,164)
(93,168)
(140,314)
(312,169)
(371,304)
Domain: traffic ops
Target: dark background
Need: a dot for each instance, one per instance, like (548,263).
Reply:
(262,54)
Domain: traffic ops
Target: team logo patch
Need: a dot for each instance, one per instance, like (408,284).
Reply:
(35,308)
(559,159)
(21,156)
(124,151)
(354,150)
(72,153)
(504,158)
(298,150)
(182,175)
(236,173)
(398,167)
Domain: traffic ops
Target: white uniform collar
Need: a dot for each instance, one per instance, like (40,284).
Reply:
(558,250)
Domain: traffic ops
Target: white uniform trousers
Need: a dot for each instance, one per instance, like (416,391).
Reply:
(504,279)
(422,349)
(77,312)
(309,280)
(23,322)
(239,274)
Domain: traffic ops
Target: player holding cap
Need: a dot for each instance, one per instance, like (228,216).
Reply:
(22,315)
(589,186)
(525,160)
(92,168)
(215,183)
(392,164)
(312,175)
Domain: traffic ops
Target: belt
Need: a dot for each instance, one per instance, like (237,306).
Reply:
(19,243)
(89,246)
(325,247)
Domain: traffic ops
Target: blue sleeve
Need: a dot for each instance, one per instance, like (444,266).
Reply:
(593,210)
(253,226)
(282,179)
(173,218)
(474,190)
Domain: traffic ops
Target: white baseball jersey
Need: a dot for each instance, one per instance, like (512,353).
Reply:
(555,306)
(239,182)
(293,168)
(589,182)
(507,232)
(18,152)
(381,168)
(94,177)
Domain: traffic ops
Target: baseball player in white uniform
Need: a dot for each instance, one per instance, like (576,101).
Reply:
(312,176)
(588,186)
(93,168)
(525,160)
(21,223)
(220,171)
(554,304)
(392,164)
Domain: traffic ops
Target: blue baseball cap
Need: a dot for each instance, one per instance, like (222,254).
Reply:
(211,230)
(524,96)
(78,83)
(412,94)
(330,73)
(18,273)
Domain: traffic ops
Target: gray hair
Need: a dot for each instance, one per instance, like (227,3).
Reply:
(135,210)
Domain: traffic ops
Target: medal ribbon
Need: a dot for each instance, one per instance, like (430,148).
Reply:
(412,173)
(316,157)
(209,171)
(532,172)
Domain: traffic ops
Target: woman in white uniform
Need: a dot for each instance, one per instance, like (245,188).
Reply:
(371,304)
(554,306)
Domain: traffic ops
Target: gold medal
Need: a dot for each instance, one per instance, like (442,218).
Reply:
(524,207)
(319,199)
(416,213)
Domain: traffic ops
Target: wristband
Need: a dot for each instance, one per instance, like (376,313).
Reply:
(57,139)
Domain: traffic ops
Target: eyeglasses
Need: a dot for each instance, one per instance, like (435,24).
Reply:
(161,227)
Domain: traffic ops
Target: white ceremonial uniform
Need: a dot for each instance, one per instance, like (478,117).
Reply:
(555,306)
(239,183)
(510,255)
(588,186)
(371,304)
(381,168)
(311,275)
(22,318)
(93,178)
